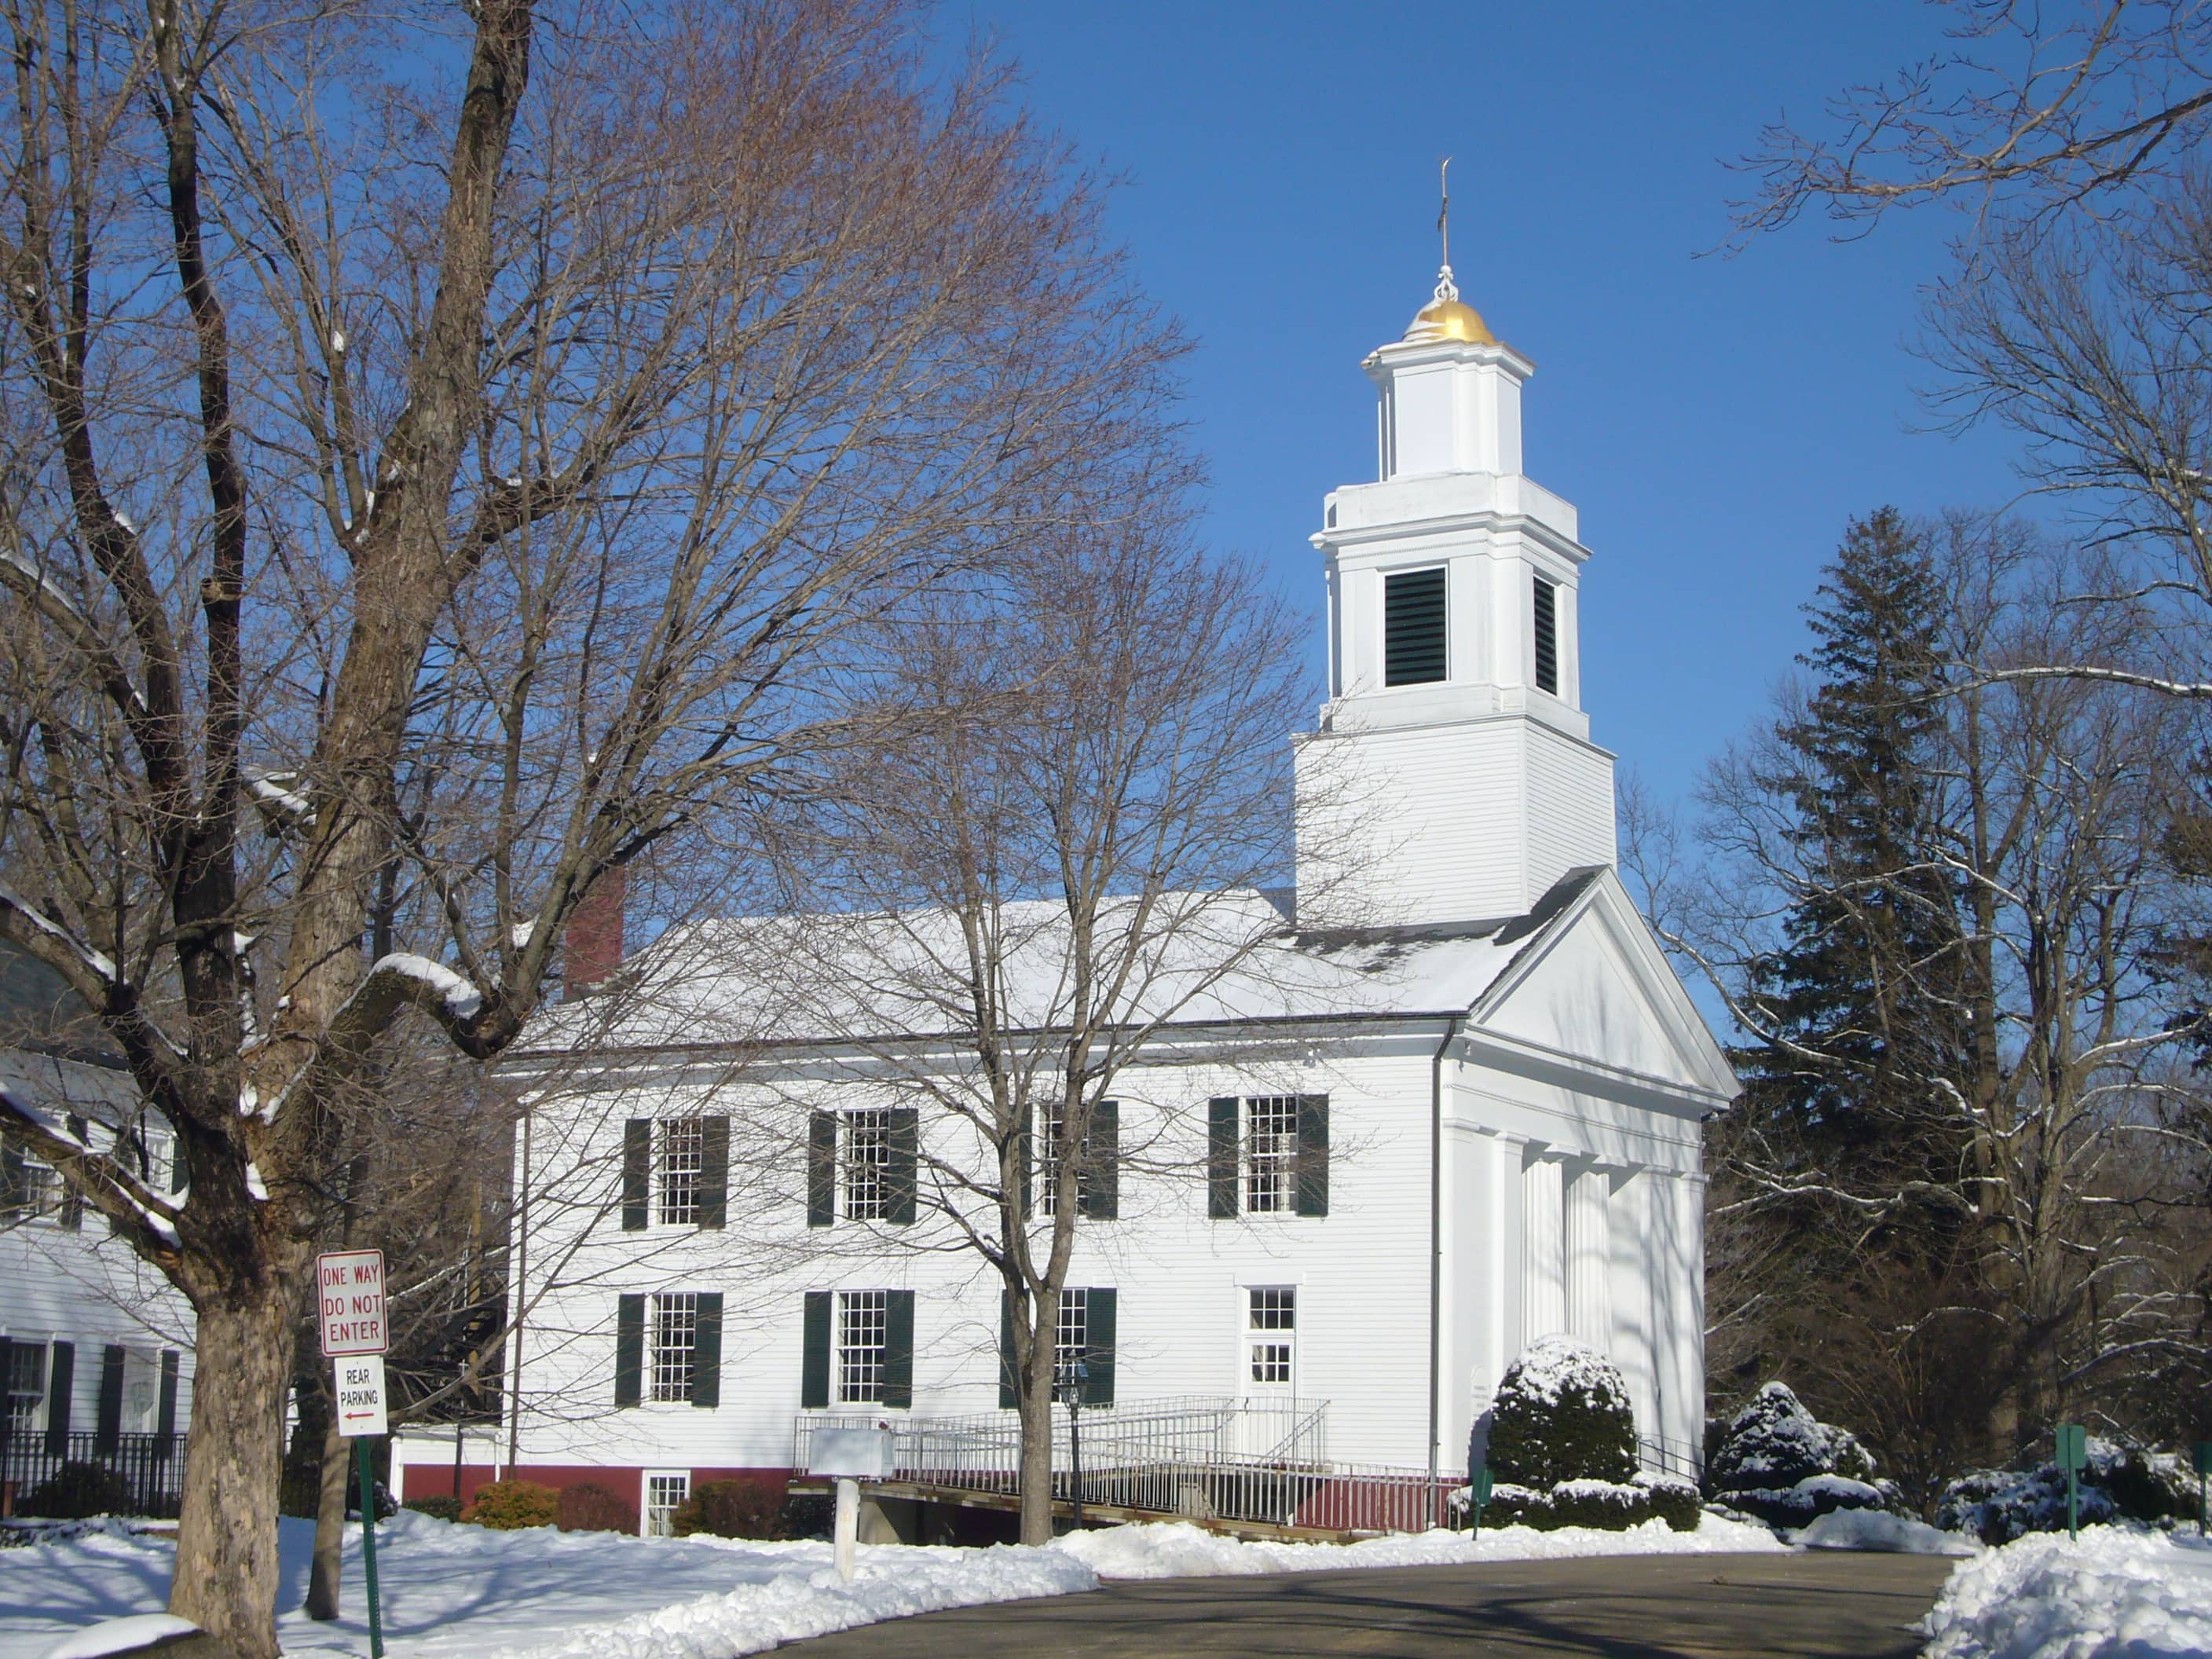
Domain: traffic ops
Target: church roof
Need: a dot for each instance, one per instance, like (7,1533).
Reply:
(825,979)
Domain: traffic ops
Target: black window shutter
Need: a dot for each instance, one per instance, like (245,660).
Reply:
(1547,637)
(706,1351)
(821,1169)
(714,1171)
(61,1382)
(637,1174)
(1099,1180)
(1413,628)
(72,1210)
(898,1348)
(905,1161)
(1008,1394)
(6,1378)
(629,1350)
(1313,1154)
(1221,1157)
(814,1365)
(1099,1313)
(107,1427)
(165,1412)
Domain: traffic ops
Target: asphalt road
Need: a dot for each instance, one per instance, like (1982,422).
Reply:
(1683,1607)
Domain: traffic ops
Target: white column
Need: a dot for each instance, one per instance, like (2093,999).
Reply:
(1543,1252)
(1631,1216)
(1589,1253)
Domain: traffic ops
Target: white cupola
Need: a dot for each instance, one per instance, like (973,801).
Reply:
(1452,779)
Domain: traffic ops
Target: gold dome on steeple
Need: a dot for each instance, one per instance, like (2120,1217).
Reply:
(1446,317)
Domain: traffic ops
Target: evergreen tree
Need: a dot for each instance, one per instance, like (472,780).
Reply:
(1861,1025)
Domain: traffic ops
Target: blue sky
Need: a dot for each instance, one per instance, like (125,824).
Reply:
(1715,419)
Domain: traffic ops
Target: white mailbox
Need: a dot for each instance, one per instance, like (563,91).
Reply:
(850,1454)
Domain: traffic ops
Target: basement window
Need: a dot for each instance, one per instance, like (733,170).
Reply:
(1413,628)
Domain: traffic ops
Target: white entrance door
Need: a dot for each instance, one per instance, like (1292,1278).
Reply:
(1270,1362)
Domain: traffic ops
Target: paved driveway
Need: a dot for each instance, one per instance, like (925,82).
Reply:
(1681,1607)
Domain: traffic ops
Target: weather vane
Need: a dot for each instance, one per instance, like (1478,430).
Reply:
(1444,211)
(1446,289)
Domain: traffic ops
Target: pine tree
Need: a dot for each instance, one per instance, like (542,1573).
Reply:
(1862,1028)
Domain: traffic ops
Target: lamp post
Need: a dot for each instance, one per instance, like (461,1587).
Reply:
(1072,1381)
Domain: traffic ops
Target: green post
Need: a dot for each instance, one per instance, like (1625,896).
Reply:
(2073,1447)
(368,1546)
(2203,1468)
(1478,1483)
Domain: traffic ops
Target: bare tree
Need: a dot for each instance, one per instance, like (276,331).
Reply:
(450,442)
(2036,109)
(1051,853)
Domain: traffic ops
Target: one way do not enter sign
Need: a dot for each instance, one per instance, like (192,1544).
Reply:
(349,1292)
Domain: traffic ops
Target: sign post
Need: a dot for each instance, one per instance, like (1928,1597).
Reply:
(1480,1484)
(849,1456)
(2203,1468)
(349,1297)
(2073,1453)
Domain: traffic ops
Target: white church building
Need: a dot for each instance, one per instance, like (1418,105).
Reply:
(1411,1149)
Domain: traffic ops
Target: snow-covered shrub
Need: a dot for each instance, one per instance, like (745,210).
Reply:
(1775,1459)
(1674,1500)
(731,1509)
(1562,1413)
(1773,1441)
(587,1506)
(510,1505)
(438,1506)
(2119,1481)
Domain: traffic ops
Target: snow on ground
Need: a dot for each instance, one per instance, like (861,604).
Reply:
(1170,1550)
(1878,1529)
(451,1590)
(2114,1595)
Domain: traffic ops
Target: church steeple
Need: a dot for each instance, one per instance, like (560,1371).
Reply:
(1454,708)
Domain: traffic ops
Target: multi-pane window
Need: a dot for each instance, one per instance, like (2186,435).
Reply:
(868,1166)
(675,1345)
(680,1159)
(1547,637)
(664,1495)
(27,1384)
(1271,1335)
(863,1318)
(1271,1153)
(28,1187)
(1071,1342)
(1049,1121)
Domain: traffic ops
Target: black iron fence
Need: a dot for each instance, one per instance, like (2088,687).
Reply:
(136,1474)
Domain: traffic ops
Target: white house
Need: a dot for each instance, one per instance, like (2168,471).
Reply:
(95,1347)
(1411,1148)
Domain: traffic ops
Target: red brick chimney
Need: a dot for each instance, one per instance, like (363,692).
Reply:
(593,949)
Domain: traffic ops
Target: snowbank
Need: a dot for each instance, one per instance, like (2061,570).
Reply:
(2114,1595)
(453,1590)
(119,1636)
(1174,1550)
(1878,1529)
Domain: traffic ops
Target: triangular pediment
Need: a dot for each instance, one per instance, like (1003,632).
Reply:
(1593,985)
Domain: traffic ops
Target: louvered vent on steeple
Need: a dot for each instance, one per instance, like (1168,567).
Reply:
(1413,643)
(1547,638)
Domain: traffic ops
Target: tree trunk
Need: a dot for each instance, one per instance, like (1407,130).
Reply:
(226,1574)
(1036,1451)
(330,1524)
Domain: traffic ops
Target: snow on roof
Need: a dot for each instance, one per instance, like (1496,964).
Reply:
(827,979)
